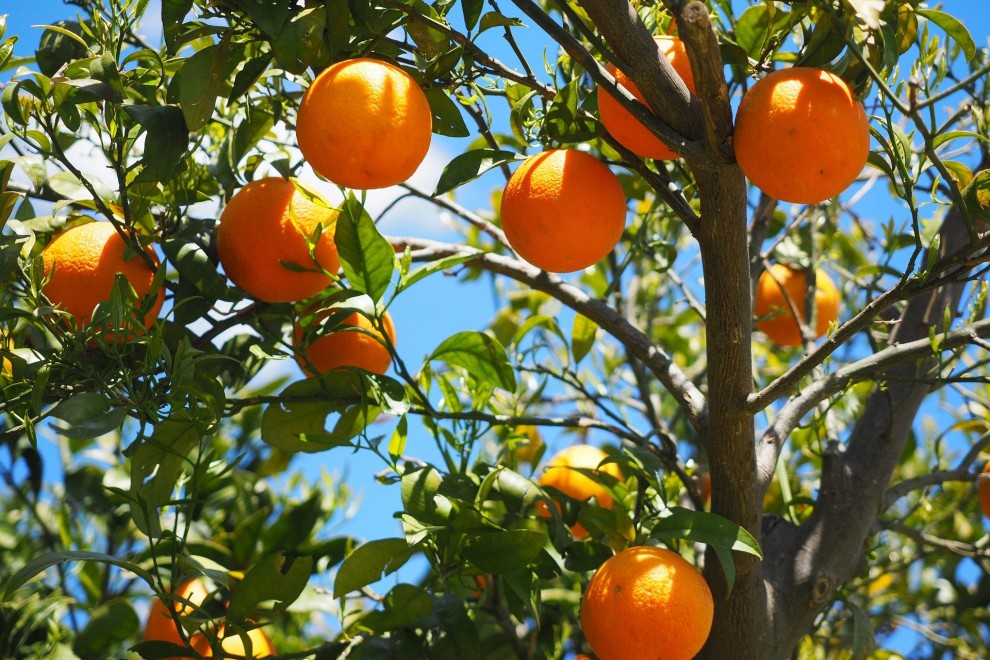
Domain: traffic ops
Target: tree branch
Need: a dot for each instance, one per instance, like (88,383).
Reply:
(688,397)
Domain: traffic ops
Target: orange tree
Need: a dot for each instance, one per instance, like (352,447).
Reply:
(843,513)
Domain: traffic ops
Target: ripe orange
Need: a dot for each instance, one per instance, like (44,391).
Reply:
(572,483)
(162,625)
(343,346)
(983,491)
(233,644)
(364,123)
(779,323)
(620,123)
(82,263)
(563,210)
(263,241)
(647,603)
(801,135)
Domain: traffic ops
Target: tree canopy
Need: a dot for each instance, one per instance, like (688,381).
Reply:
(826,485)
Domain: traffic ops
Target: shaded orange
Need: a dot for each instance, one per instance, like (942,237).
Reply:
(233,644)
(342,346)
(773,309)
(801,135)
(574,484)
(563,210)
(646,603)
(162,626)
(983,491)
(83,262)
(364,123)
(621,124)
(263,241)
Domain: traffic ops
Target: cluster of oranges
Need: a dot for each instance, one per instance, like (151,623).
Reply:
(363,123)
(165,624)
(663,602)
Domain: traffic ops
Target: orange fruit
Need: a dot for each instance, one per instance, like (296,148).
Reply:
(163,626)
(563,210)
(342,345)
(363,124)
(233,644)
(983,490)
(529,445)
(558,474)
(263,241)
(82,263)
(801,135)
(621,124)
(646,603)
(773,309)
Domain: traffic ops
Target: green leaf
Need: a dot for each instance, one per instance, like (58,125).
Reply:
(47,560)
(434,267)
(203,77)
(447,119)
(421,498)
(298,421)
(494,19)
(864,641)
(481,355)
(504,552)
(366,257)
(370,562)
(953,27)
(111,623)
(397,444)
(470,165)
(300,44)
(582,336)
(275,577)
(167,137)
(156,466)
(194,266)
(582,556)
(173,11)
(471,10)
(403,606)
(703,527)
(88,415)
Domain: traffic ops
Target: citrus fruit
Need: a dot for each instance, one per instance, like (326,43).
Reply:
(621,124)
(354,342)
(983,491)
(560,475)
(233,644)
(563,210)
(801,135)
(773,309)
(162,625)
(364,123)
(646,603)
(264,237)
(82,264)
(529,444)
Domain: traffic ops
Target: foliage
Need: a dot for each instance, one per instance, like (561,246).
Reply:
(176,459)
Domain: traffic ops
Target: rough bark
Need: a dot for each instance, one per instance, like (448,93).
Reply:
(810,562)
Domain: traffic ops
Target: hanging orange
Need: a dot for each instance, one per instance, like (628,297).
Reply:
(82,263)
(773,309)
(364,123)
(801,135)
(563,210)
(560,475)
(355,342)
(263,241)
(646,603)
(621,124)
